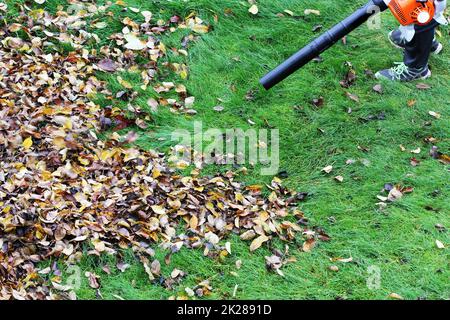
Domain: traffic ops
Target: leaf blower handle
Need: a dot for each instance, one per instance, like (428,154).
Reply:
(322,43)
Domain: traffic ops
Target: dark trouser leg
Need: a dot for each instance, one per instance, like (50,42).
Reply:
(417,52)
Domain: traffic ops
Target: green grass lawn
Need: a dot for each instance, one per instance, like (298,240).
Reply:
(224,65)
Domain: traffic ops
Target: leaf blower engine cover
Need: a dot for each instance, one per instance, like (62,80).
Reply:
(408,12)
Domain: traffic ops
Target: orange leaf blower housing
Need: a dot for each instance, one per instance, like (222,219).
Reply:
(408,12)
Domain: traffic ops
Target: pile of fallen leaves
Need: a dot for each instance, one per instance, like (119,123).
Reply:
(63,189)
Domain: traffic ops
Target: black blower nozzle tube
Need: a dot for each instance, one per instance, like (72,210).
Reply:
(322,43)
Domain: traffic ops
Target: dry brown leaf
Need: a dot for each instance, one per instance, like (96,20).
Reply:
(308,245)
(102,192)
(258,242)
(395,296)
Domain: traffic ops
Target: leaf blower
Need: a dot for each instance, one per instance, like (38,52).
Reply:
(407,12)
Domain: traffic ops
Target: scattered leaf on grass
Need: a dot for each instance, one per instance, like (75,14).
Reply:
(228,247)
(350,77)
(439,245)
(93,280)
(218,108)
(394,195)
(343,260)
(327,169)
(378,88)
(352,97)
(317,28)
(423,86)
(254,9)
(411,103)
(156,267)
(318,102)
(312,11)
(414,162)
(434,114)
(235,290)
(122,266)
(334,268)
(274,263)
(395,296)
(308,245)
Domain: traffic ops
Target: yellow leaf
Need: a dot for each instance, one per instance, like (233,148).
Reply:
(182,164)
(46,175)
(83,161)
(199,28)
(174,204)
(48,111)
(105,155)
(59,143)
(68,124)
(158,209)
(273,197)
(193,223)
(183,74)
(210,206)
(395,296)
(156,173)
(258,242)
(27,143)
(124,83)
(248,235)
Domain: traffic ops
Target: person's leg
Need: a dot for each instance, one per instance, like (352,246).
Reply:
(416,55)
(417,52)
(399,41)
